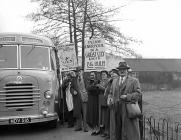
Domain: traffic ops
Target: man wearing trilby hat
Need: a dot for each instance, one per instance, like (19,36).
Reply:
(125,89)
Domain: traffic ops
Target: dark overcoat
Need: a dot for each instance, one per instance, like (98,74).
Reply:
(127,129)
(112,112)
(92,104)
(76,98)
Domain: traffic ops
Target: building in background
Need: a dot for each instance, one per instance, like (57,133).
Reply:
(157,74)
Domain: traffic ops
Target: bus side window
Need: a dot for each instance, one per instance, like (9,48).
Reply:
(52,59)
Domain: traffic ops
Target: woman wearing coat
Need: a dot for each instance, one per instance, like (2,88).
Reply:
(114,74)
(93,104)
(103,108)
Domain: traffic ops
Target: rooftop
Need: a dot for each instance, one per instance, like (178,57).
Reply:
(163,65)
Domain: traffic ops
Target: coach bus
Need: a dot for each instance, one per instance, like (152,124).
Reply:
(28,79)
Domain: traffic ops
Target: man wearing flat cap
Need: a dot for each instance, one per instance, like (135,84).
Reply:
(125,89)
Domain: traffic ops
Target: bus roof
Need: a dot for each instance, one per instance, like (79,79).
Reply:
(24,38)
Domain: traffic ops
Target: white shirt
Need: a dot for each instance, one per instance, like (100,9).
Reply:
(121,80)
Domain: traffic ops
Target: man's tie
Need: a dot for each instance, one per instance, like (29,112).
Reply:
(120,81)
(79,78)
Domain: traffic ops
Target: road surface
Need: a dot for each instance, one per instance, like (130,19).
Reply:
(43,132)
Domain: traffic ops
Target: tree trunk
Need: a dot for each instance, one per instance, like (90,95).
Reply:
(70,24)
(83,36)
(75,31)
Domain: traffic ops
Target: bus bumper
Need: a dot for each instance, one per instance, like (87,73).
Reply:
(28,119)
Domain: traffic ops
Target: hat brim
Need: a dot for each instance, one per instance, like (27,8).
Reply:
(123,68)
(104,71)
(113,70)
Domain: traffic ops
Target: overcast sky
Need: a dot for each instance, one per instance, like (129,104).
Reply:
(157,23)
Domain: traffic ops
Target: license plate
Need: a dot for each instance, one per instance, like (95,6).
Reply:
(19,120)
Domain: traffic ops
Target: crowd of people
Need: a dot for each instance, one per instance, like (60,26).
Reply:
(99,104)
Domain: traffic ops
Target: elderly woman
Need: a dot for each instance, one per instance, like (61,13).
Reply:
(103,108)
(114,74)
(92,104)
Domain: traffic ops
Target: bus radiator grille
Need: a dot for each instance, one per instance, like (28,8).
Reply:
(23,95)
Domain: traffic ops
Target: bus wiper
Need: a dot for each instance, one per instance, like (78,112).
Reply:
(33,46)
(3,60)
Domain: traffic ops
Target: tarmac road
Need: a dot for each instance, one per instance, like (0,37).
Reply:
(43,132)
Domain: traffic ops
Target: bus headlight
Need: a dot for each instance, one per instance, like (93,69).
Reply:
(44,111)
(48,94)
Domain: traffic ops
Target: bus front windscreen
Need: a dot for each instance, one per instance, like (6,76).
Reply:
(8,56)
(35,57)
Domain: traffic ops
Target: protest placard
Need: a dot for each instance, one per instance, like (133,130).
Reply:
(67,57)
(95,56)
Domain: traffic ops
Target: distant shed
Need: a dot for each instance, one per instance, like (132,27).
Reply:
(157,74)
(160,65)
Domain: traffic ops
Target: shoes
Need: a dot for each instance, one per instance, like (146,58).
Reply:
(98,132)
(85,130)
(70,126)
(93,133)
(77,129)
(103,135)
(106,138)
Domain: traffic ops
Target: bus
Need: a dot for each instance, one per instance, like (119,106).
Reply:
(29,85)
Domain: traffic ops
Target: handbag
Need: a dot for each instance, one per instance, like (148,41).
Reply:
(133,110)
(109,100)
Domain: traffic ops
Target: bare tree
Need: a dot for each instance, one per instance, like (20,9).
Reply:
(77,20)
(70,24)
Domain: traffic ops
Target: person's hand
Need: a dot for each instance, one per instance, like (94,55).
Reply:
(75,92)
(123,97)
(99,86)
(110,101)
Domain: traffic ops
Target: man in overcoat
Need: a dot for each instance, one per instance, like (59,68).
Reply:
(84,98)
(125,89)
(77,111)
(68,113)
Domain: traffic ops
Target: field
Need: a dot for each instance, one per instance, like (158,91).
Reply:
(163,104)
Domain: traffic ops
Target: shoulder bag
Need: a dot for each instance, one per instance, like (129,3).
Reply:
(133,110)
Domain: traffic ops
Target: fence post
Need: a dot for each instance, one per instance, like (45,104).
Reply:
(158,130)
(141,118)
(143,138)
(176,129)
(163,128)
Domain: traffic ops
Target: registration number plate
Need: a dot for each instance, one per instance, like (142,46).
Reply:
(19,120)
